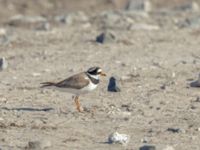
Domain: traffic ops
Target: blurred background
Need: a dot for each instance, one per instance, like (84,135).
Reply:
(47,13)
(54,7)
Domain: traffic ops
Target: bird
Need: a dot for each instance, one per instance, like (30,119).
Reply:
(78,84)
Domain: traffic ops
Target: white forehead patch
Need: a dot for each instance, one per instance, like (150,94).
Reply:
(99,70)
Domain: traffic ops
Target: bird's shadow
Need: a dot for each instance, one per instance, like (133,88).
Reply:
(27,109)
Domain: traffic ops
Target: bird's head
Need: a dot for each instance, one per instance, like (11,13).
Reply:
(95,72)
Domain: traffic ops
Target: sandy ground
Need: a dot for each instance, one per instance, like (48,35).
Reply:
(162,62)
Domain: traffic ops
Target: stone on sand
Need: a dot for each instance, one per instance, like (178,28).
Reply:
(139,5)
(44,26)
(188,6)
(38,145)
(3,64)
(196,83)
(168,148)
(116,137)
(106,37)
(71,18)
(147,27)
(26,21)
(112,85)
(176,130)
(148,147)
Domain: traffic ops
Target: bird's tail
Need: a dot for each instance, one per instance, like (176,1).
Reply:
(46,84)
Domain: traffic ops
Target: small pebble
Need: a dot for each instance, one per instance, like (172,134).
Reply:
(71,18)
(116,137)
(163,87)
(139,5)
(36,74)
(129,77)
(197,99)
(106,37)
(3,63)
(4,38)
(148,147)
(188,6)
(173,74)
(44,26)
(62,19)
(168,148)
(33,145)
(196,83)
(38,145)
(147,27)
(144,140)
(176,130)
(47,70)
(3,32)
(37,124)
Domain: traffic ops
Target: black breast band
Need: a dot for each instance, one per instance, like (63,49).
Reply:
(94,81)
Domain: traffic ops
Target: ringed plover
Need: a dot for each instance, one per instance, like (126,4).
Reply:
(78,84)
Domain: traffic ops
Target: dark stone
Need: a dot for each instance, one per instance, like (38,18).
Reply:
(112,86)
(106,37)
(34,145)
(197,99)
(174,130)
(148,147)
(139,5)
(195,84)
(3,63)
(44,26)
(163,87)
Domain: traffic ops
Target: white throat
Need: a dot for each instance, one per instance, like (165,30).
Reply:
(94,76)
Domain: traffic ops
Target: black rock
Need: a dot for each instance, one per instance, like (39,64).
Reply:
(112,86)
(174,130)
(106,37)
(3,63)
(196,83)
(148,147)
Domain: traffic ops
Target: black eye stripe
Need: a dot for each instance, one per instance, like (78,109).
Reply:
(93,72)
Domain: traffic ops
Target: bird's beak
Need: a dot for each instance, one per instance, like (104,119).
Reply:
(102,74)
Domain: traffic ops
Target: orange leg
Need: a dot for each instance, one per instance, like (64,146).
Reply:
(78,106)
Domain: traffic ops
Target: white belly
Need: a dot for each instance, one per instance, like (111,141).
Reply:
(89,88)
(84,90)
